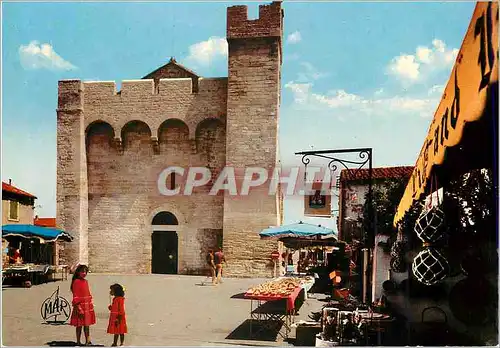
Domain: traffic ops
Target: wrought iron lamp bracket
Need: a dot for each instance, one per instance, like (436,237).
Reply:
(364,154)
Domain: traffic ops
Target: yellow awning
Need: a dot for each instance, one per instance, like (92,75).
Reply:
(464,99)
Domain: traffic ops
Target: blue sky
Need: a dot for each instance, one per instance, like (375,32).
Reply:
(354,74)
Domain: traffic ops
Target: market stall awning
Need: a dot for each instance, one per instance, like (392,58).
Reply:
(31,231)
(471,94)
(299,230)
(300,243)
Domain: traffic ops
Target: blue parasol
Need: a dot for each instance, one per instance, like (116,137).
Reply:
(298,230)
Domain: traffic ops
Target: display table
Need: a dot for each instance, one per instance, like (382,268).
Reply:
(34,273)
(62,270)
(273,310)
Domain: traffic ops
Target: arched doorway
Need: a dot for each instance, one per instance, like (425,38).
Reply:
(165,242)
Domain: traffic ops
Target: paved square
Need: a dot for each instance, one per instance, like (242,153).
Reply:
(161,310)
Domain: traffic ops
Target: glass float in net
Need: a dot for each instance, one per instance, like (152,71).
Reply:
(428,225)
(430,267)
(398,264)
(398,249)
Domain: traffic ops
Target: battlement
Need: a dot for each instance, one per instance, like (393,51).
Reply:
(145,88)
(69,95)
(269,23)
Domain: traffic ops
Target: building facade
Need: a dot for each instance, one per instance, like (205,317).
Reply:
(18,206)
(353,188)
(113,147)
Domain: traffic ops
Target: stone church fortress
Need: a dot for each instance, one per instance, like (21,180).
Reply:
(112,146)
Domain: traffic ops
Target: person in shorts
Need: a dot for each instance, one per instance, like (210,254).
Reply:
(219,259)
(211,265)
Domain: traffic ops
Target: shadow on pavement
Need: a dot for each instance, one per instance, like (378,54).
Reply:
(240,296)
(69,344)
(205,283)
(260,331)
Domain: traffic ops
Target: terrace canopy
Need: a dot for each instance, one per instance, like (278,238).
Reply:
(31,231)
(462,135)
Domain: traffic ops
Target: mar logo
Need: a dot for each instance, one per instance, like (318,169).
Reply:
(55,309)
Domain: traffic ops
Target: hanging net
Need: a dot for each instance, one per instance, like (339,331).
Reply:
(428,225)
(430,267)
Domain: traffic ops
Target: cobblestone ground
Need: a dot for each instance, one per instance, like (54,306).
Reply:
(161,310)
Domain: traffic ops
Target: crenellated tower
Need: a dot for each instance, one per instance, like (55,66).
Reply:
(254,84)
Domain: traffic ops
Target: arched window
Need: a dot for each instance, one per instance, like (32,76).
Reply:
(165,218)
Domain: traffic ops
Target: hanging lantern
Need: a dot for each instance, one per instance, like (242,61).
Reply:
(428,225)
(430,267)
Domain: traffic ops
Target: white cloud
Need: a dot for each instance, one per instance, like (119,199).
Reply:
(425,61)
(203,53)
(424,54)
(294,37)
(436,90)
(310,73)
(42,56)
(349,103)
(300,91)
(405,66)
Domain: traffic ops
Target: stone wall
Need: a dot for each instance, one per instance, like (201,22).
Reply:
(123,180)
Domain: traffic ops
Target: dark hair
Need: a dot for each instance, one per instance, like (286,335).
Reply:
(210,250)
(76,274)
(117,290)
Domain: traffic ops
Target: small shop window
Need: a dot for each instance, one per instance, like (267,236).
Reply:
(13,210)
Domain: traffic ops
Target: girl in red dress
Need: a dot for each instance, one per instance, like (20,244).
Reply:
(83,314)
(117,319)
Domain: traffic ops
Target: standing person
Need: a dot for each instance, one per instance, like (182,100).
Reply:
(83,314)
(211,265)
(117,325)
(219,259)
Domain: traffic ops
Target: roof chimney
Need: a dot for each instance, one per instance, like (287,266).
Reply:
(10,181)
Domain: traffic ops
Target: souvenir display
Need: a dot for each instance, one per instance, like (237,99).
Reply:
(398,265)
(398,249)
(278,287)
(430,266)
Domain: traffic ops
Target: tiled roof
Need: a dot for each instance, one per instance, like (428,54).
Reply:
(45,222)
(12,189)
(171,62)
(377,173)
